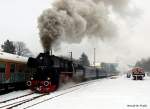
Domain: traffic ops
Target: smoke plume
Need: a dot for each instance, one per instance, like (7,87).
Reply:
(72,20)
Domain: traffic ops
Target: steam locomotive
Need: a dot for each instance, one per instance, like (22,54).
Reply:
(49,71)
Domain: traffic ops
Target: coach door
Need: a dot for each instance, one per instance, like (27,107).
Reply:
(12,73)
(20,73)
(7,73)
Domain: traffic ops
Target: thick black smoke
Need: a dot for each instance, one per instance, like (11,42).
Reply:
(72,20)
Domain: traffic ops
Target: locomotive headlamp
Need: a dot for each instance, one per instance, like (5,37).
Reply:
(48,78)
(31,78)
(29,83)
(46,83)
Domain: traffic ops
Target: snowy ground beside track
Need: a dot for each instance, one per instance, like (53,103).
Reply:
(119,93)
(13,94)
(115,93)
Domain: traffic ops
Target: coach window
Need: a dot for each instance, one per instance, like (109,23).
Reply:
(61,64)
(12,68)
(2,68)
(66,65)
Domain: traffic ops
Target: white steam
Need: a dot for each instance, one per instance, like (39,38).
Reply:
(72,20)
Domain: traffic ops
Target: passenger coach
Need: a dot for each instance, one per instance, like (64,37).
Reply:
(12,71)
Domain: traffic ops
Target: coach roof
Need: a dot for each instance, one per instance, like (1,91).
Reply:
(12,57)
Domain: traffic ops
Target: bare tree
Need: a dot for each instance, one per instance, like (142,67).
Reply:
(21,49)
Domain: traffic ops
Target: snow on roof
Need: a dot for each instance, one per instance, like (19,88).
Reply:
(12,57)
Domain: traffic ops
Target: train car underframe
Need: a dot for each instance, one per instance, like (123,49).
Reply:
(138,77)
(7,87)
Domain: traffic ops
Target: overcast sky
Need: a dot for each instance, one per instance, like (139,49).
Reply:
(18,22)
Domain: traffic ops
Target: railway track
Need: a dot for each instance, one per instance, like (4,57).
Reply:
(50,98)
(16,98)
(17,103)
(58,95)
(24,101)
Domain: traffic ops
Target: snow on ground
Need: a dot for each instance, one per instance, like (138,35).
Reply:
(110,93)
(13,94)
(119,93)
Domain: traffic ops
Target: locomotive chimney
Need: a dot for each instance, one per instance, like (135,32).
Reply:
(49,52)
(46,51)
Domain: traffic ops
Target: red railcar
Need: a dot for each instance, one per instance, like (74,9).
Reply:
(138,73)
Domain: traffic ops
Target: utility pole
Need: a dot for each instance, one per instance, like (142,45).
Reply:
(70,55)
(94,57)
(51,51)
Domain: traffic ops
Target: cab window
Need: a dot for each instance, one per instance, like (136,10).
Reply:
(2,67)
(12,68)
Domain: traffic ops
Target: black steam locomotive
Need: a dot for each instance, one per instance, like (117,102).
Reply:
(48,70)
